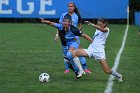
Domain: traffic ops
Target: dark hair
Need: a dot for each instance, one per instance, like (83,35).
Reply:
(67,16)
(103,20)
(76,9)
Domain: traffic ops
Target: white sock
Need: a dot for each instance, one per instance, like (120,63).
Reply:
(77,63)
(116,74)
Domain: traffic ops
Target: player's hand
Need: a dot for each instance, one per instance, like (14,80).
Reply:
(87,22)
(56,38)
(42,20)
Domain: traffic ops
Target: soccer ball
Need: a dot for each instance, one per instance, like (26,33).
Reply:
(44,77)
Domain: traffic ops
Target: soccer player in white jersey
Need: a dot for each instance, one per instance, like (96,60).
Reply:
(97,48)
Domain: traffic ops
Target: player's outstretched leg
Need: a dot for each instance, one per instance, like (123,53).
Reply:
(107,70)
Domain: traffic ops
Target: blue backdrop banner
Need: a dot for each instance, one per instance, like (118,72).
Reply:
(137,18)
(113,9)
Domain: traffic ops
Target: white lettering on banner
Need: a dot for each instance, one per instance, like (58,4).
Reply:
(29,11)
(43,11)
(4,2)
(7,8)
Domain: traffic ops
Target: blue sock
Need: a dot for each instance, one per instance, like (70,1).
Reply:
(66,65)
(83,62)
(70,57)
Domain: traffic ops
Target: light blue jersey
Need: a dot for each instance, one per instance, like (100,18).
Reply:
(69,37)
(75,19)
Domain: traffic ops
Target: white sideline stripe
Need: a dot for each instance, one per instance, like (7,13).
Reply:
(109,87)
(117,61)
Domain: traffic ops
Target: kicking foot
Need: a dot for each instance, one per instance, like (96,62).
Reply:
(120,79)
(80,74)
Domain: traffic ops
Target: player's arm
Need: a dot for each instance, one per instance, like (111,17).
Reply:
(77,32)
(80,26)
(79,23)
(97,27)
(87,37)
(56,36)
(48,22)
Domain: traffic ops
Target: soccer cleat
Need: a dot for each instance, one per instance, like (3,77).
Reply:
(66,71)
(80,74)
(120,79)
(76,73)
(87,71)
(83,72)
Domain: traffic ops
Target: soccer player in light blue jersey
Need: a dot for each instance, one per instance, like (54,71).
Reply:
(68,35)
(76,21)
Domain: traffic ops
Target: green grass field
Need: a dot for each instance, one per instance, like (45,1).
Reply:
(27,50)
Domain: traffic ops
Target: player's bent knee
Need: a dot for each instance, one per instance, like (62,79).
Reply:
(74,53)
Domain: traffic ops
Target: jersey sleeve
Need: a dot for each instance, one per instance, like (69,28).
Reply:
(58,26)
(107,29)
(79,19)
(62,17)
(75,31)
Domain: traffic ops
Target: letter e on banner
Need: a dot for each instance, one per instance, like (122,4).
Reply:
(2,3)
(43,11)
